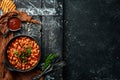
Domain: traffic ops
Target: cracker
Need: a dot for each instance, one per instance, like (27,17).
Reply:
(7,6)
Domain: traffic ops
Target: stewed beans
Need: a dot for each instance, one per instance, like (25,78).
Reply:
(23,53)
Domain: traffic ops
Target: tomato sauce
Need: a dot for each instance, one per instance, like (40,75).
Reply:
(14,23)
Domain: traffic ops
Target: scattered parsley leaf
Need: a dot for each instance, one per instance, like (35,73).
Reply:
(48,60)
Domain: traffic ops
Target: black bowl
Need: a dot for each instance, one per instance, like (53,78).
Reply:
(8,64)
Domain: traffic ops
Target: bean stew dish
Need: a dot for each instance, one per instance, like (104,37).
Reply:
(23,53)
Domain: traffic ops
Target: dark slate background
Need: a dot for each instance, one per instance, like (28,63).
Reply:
(92,39)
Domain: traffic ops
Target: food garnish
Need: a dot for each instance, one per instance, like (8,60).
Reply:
(24,54)
(49,60)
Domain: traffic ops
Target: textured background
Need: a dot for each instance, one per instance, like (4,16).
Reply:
(50,33)
(91,39)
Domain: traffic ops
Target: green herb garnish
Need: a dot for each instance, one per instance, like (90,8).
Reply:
(28,50)
(49,60)
(24,54)
(23,57)
(16,52)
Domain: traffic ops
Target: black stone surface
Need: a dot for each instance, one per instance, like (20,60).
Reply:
(50,34)
(91,39)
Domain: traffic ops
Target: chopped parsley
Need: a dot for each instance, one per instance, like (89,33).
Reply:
(16,52)
(49,60)
(28,50)
(24,54)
